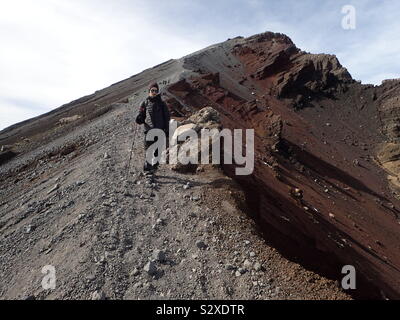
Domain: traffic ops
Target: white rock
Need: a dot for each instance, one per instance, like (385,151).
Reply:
(257,266)
(247,264)
(98,295)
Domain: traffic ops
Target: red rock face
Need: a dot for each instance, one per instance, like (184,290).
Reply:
(317,130)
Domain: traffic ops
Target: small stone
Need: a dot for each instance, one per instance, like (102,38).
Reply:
(297,193)
(148,286)
(158,255)
(90,277)
(29,228)
(252,254)
(150,268)
(228,290)
(54,188)
(135,272)
(200,169)
(200,244)
(109,255)
(82,260)
(242,271)
(106,156)
(257,266)
(247,264)
(98,295)
(230,267)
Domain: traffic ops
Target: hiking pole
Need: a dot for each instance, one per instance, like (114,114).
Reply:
(130,157)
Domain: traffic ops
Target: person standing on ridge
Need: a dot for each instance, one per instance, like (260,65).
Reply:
(153,114)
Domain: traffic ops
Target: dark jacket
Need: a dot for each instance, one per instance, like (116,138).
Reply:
(154,114)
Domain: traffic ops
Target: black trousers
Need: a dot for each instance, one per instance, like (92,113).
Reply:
(147,145)
(156,155)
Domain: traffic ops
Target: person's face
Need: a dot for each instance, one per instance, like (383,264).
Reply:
(153,92)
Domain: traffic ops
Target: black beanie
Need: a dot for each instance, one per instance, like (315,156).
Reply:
(154,85)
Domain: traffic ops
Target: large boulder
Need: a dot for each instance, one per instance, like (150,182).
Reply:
(200,146)
(182,130)
(207,115)
(206,118)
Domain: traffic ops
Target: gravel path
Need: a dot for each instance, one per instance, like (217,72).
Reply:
(172,236)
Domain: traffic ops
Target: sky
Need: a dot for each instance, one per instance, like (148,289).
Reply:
(55,51)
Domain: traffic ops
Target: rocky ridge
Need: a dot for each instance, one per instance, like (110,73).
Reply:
(325,185)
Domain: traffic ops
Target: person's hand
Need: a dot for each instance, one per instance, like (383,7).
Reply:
(140,119)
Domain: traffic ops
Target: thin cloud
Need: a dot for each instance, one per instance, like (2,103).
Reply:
(61,50)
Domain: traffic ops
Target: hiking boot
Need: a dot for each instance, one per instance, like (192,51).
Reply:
(149,178)
(147,167)
(150,168)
